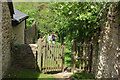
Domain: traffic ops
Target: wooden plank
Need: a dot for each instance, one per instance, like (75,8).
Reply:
(39,54)
(43,38)
(72,56)
(80,44)
(83,55)
(83,64)
(80,64)
(49,55)
(52,60)
(61,58)
(44,44)
(46,57)
(90,58)
(77,56)
(54,57)
(57,56)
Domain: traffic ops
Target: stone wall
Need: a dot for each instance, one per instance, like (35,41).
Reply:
(6,38)
(18,33)
(24,55)
(31,34)
(107,57)
(118,55)
(0,41)
(95,48)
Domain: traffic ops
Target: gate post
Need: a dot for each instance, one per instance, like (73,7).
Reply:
(39,54)
(72,56)
(63,57)
(90,58)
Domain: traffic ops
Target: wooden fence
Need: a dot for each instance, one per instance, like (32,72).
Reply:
(81,56)
(50,56)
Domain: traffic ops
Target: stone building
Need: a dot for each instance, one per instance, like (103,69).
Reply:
(18,27)
(5,38)
(12,24)
(0,40)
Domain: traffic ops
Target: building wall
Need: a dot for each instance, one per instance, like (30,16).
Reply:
(18,33)
(0,40)
(6,38)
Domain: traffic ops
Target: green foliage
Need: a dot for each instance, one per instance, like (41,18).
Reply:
(37,11)
(29,8)
(76,20)
(67,57)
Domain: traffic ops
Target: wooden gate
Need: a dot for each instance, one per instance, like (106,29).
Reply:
(81,56)
(50,56)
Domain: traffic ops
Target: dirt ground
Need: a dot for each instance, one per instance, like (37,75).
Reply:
(63,75)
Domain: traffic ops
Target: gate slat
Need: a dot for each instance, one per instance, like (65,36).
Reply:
(49,55)
(80,58)
(44,57)
(39,54)
(52,59)
(61,58)
(57,55)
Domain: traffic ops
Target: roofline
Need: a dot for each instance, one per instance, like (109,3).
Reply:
(10,5)
(16,22)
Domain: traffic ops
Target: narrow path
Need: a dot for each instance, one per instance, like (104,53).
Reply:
(63,75)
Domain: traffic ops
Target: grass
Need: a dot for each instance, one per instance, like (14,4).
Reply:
(28,73)
(67,57)
(82,76)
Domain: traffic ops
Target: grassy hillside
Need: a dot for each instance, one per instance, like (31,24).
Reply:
(37,11)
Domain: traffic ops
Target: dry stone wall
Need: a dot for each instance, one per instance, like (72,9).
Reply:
(95,48)
(119,45)
(24,55)
(0,40)
(31,34)
(107,57)
(6,38)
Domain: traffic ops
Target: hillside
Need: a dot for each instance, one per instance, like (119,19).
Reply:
(39,12)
